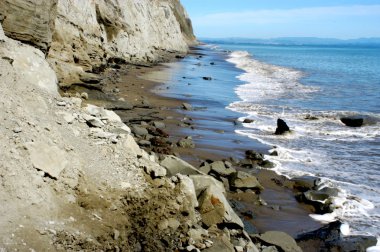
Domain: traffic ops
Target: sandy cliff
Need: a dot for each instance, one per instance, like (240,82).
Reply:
(82,35)
(72,178)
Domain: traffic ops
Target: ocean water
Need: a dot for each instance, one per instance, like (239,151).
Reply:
(266,82)
(327,82)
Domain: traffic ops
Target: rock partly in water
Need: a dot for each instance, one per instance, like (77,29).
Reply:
(329,238)
(247,120)
(187,106)
(186,142)
(305,183)
(282,127)
(352,121)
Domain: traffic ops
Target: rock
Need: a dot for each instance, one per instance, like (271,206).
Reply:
(49,159)
(17,130)
(187,106)
(207,78)
(274,153)
(197,234)
(129,144)
(186,142)
(139,131)
(190,201)
(201,182)
(84,95)
(243,181)
(36,25)
(280,239)
(159,125)
(329,238)
(173,224)
(219,168)
(220,244)
(175,166)
(253,155)
(215,209)
(118,105)
(205,168)
(246,120)
(282,127)
(155,170)
(144,143)
(2,35)
(352,121)
(90,78)
(305,183)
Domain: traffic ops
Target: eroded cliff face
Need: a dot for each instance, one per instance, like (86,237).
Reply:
(79,36)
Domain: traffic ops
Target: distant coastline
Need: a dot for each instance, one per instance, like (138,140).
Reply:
(311,41)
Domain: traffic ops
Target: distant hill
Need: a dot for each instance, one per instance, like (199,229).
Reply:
(298,41)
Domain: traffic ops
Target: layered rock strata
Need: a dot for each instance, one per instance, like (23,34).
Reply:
(81,36)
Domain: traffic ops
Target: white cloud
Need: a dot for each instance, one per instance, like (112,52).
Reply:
(281,16)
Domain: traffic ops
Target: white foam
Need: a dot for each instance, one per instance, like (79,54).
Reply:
(265,81)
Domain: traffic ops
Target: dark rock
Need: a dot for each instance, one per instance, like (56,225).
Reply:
(267,164)
(274,153)
(246,120)
(320,199)
(329,238)
(305,183)
(311,118)
(253,155)
(282,127)
(207,78)
(352,121)
(212,63)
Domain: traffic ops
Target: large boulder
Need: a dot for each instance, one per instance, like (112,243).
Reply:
(220,169)
(282,127)
(305,183)
(243,181)
(201,182)
(329,238)
(215,209)
(352,121)
(280,239)
(176,165)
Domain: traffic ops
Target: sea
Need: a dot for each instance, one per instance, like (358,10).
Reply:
(311,87)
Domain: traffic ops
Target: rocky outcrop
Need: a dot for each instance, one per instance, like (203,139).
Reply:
(81,36)
(32,22)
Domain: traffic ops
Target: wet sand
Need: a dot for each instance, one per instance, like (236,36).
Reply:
(215,139)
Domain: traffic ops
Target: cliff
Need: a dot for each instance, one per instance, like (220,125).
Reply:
(80,36)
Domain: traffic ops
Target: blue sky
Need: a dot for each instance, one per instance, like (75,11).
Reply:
(285,18)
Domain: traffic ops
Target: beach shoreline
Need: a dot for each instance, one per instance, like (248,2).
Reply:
(169,110)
